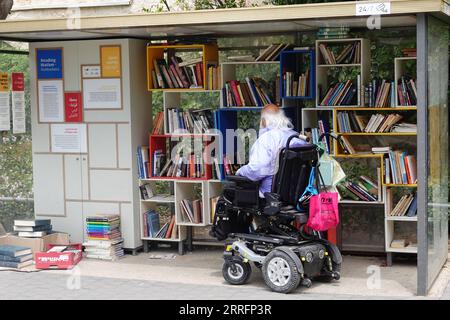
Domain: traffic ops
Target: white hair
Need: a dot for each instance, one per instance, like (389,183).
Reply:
(277,120)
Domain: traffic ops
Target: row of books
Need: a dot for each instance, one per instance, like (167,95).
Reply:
(360,189)
(187,166)
(296,85)
(176,74)
(216,173)
(104,239)
(252,92)
(272,52)
(400,168)
(323,126)
(409,52)
(143,162)
(349,122)
(407,91)
(349,54)
(213,202)
(229,167)
(340,94)
(32,228)
(379,93)
(191,211)
(333,32)
(405,207)
(153,229)
(213,77)
(192,120)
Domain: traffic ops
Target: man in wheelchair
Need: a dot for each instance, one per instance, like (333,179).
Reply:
(260,211)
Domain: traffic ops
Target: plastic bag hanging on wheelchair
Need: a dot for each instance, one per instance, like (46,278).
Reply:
(310,190)
(323,211)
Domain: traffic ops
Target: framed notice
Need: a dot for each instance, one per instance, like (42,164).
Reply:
(4,82)
(91,71)
(110,61)
(102,93)
(51,100)
(49,63)
(5,115)
(69,138)
(73,107)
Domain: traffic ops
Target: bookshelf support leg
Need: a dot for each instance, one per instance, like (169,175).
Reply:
(189,238)
(181,248)
(146,246)
(389,259)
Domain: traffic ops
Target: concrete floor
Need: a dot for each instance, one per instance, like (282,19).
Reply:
(199,274)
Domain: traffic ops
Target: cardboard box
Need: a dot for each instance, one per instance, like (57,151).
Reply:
(59,260)
(36,244)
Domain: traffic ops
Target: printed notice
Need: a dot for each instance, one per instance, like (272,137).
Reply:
(91,71)
(18,112)
(102,94)
(110,61)
(49,63)
(69,138)
(5,116)
(374,8)
(51,101)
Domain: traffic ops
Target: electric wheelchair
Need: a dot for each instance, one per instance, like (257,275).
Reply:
(271,232)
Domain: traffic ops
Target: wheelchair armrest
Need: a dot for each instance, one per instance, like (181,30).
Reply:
(244,182)
(238,179)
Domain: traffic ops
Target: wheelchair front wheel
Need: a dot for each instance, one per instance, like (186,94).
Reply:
(236,272)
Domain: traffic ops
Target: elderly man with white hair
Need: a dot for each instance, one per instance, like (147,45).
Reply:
(275,129)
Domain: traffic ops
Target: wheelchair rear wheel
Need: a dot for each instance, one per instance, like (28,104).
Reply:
(280,272)
(236,272)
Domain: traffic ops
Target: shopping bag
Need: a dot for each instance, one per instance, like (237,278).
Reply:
(310,190)
(323,211)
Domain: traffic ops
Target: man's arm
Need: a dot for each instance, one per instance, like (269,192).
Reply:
(260,162)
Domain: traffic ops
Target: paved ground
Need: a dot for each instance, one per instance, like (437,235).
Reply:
(198,276)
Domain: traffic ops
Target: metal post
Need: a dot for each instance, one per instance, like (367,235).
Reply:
(422,154)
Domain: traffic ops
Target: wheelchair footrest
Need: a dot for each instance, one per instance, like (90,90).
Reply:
(255,237)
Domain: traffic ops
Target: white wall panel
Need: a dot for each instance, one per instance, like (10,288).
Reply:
(102,145)
(111,185)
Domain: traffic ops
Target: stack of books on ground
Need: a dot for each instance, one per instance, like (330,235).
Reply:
(405,207)
(32,228)
(400,168)
(253,92)
(333,32)
(379,93)
(191,211)
(16,257)
(176,73)
(189,165)
(272,52)
(296,85)
(348,54)
(341,94)
(143,163)
(153,228)
(360,189)
(104,237)
(190,120)
(407,91)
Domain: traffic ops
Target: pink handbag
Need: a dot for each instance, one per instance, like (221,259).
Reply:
(323,211)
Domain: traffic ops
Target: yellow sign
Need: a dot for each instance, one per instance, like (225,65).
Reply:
(4,82)
(111,61)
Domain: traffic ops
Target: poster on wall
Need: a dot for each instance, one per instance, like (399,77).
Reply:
(49,62)
(110,60)
(69,138)
(73,107)
(18,103)
(102,93)
(5,115)
(51,100)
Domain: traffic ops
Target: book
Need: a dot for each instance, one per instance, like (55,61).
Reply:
(32,223)
(399,243)
(15,265)
(22,258)
(47,227)
(14,251)
(32,234)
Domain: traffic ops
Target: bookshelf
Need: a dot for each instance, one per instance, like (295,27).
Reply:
(208,53)
(299,63)
(310,117)
(323,67)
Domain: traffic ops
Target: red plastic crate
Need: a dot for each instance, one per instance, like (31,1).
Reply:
(58,260)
